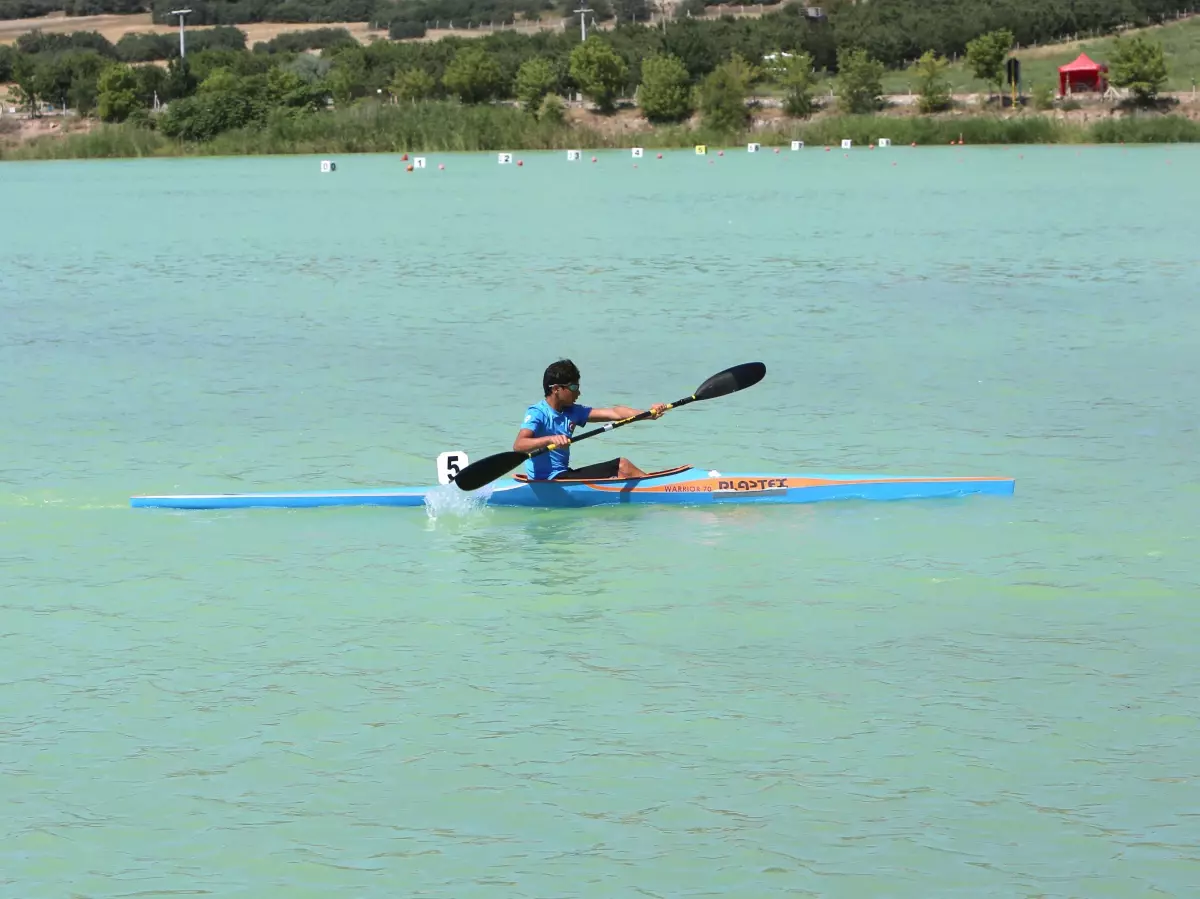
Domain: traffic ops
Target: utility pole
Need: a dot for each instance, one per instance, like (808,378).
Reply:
(583,11)
(181,13)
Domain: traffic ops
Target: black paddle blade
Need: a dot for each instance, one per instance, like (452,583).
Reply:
(732,380)
(477,474)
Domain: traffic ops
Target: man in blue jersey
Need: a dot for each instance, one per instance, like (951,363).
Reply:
(557,416)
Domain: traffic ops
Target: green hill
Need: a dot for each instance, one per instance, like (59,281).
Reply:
(1039,65)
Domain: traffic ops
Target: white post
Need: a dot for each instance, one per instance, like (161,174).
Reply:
(181,13)
(583,11)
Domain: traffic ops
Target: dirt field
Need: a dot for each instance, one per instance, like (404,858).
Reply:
(114,27)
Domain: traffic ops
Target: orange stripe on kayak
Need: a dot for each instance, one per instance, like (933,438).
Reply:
(710,485)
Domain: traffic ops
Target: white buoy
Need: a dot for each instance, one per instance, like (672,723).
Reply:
(753,148)
(637,152)
(504,158)
(885,142)
(574,155)
(418,162)
(847,144)
(797,145)
(328,166)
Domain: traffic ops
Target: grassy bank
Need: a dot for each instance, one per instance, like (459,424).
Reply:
(449,127)
(1039,65)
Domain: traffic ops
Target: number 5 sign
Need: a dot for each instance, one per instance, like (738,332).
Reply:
(449,464)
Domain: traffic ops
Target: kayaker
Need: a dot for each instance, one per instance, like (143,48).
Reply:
(557,416)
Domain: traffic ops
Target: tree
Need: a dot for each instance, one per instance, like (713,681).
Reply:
(219,80)
(284,88)
(53,78)
(599,72)
(535,78)
(748,74)
(181,82)
(8,56)
(631,10)
(986,55)
(860,81)
(1139,65)
(723,96)
(665,94)
(118,93)
(310,68)
(932,87)
(696,44)
(473,75)
(794,73)
(348,75)
(85,69)
(413,85)
(25,76)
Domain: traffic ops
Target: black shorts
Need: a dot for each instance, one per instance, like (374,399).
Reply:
(595,472)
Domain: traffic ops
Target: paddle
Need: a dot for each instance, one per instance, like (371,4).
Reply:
(477,474)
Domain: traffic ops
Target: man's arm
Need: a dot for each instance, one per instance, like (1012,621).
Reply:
(620,413)
(614,413)
(527,443)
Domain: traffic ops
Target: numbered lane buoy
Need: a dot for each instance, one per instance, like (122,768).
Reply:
(449,464)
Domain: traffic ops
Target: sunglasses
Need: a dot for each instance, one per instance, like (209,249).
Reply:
(574,388)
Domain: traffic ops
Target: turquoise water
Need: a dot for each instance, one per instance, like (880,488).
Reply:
(977,697)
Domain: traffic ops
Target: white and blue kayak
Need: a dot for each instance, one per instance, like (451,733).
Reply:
(677,486)
(489,481)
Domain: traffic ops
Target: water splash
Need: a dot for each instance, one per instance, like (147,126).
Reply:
(448,501)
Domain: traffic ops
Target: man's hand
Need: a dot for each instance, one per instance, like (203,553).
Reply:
(658,409)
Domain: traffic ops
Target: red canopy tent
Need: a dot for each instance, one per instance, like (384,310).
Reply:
(1082,73)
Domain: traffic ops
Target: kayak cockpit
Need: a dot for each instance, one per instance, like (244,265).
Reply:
(665,473)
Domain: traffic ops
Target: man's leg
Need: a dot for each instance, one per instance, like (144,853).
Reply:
(628,470)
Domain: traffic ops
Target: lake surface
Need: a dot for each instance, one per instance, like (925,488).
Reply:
(992,696)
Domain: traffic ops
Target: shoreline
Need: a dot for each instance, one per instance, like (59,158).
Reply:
(449,127)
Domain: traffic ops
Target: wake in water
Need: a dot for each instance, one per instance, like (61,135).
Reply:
(450,502)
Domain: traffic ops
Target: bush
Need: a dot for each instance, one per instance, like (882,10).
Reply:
(553,111)
(860,81)
(299,41)
(1043,96)
(399,31)
(723,97)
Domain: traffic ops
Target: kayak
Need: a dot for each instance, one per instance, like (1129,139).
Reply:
(677,486)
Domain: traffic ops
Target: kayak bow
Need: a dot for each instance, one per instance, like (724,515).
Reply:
(677,486)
